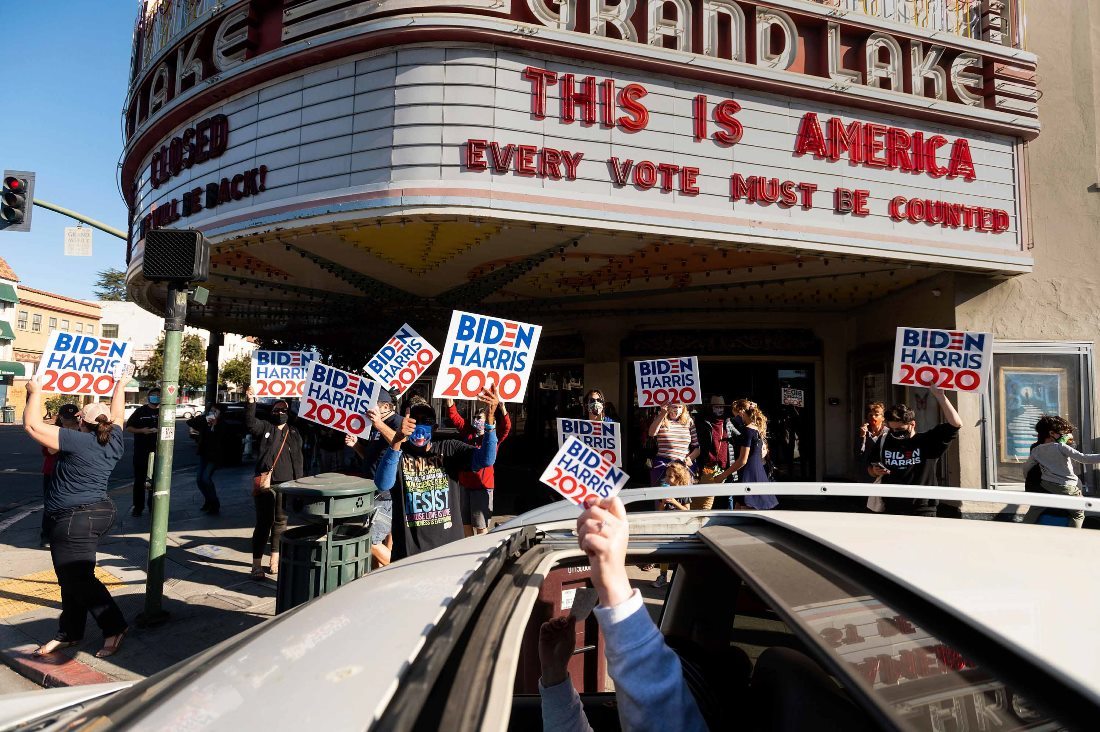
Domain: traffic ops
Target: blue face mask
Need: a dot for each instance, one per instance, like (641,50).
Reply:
(154,399)
(422,435)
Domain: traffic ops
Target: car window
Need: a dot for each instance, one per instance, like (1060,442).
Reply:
(877,644)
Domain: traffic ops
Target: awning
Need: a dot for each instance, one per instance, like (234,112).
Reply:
(6,331)
(132,386)
(7,293)
(12,368)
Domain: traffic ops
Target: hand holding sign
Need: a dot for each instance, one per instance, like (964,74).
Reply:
(603,534)
(339,399)
(948,359)
(402,360)
(482,351)
(580,473)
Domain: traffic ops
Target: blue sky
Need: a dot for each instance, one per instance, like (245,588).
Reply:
(61,119)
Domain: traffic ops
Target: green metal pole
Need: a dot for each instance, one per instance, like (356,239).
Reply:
(82,218)
(175,314)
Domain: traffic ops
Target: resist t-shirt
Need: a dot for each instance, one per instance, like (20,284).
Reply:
(426,511)
(83,467)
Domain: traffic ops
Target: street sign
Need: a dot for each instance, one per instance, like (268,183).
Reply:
(78,241)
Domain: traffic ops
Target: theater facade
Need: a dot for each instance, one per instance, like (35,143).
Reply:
(773,186)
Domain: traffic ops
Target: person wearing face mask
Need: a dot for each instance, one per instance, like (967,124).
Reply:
(385,421)
(477,498)
(80,513)
(422,474)
(717,434)
(908,457)
(211,438)
(143,426)
(280,453)
(595,407)
(1055,457)
(676,438)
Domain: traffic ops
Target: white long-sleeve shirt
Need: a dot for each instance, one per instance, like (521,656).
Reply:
(1055,460)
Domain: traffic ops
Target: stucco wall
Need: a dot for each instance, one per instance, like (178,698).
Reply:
(1060,300)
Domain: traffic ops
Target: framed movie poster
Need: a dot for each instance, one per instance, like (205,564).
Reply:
(1027,393)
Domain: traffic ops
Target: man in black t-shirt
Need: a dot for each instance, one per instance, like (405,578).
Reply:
(423,476)
(906,457)
(143,426)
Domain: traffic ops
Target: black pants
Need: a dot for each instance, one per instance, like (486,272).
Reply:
(141,468)
(270,522)
(74,537)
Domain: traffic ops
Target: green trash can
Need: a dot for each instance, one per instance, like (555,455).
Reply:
(334,547)
(312,564)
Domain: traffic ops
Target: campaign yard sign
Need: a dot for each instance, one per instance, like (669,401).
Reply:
(80,364)
(605,438)
(339,399)
(668,380)
(281,373)
(482,350)
(402,360)
(949,359)
(578,471)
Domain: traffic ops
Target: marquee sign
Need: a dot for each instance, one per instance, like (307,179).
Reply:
(929,55)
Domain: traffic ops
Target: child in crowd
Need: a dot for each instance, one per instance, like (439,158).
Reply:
(675,474)
(1055,459)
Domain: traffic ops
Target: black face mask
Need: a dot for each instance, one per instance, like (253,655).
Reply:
(900,434)
(281,417)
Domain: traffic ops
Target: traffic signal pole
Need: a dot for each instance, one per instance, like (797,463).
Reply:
(174,316)
(81,218)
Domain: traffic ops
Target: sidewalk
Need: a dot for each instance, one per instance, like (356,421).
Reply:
(207,588)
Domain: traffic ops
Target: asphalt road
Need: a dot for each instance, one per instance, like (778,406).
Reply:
(21,466)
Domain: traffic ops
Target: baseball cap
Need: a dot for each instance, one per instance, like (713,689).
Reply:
(94,411)
(68,411)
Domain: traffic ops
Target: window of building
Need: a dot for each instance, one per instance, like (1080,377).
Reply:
(79,327)
(22,320)
(36,323)
(110,330)
(65,325)
(90,328)
(53,323)
(1028,380)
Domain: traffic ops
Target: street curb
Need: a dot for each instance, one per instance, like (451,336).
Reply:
(53,671)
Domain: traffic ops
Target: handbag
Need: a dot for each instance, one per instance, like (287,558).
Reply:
(262,482)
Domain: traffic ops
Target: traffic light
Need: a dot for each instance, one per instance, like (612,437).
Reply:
(17,200)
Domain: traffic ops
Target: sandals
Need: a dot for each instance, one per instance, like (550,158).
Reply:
(40,652)
(110,650)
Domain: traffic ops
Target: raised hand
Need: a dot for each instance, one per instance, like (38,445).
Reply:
(602,534)
(408,426)
(250,394)
(557,638)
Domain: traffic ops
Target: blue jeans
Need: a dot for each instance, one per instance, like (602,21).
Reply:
(204,477)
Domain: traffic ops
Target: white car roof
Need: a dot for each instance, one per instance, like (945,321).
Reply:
(1035,588)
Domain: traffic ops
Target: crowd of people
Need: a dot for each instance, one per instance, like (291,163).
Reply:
(434,490)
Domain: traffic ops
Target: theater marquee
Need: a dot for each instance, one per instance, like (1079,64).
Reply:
(532,137)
